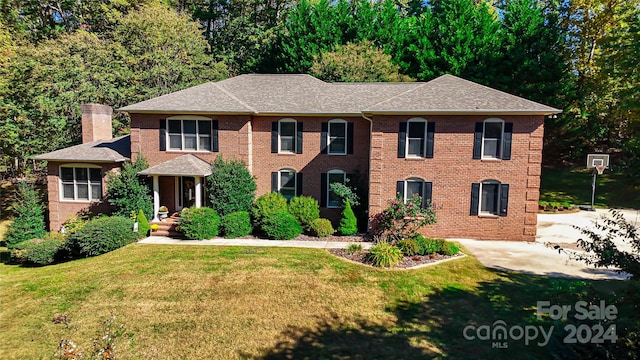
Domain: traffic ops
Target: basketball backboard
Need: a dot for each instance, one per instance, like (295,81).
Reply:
(594,160)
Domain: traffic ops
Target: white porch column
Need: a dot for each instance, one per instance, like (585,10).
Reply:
(198,191)
(156,197)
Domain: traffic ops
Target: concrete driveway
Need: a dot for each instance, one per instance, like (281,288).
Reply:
(536,258)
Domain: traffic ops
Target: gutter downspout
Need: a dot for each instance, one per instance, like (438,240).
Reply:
(369,169)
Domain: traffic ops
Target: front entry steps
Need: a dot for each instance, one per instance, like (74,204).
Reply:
(167,227)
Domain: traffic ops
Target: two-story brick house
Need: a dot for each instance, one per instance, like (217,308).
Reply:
(473,151)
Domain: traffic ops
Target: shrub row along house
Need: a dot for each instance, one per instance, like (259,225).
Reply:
(475,152)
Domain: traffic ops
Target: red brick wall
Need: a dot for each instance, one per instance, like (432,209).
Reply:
(61,210)
(452,171)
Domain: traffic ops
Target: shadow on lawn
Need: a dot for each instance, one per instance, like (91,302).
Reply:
(433,327)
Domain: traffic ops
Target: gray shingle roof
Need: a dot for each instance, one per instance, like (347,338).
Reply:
(105,151)
(185,165)
(304,94)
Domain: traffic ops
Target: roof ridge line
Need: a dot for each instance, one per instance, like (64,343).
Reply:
(234,97)
(398,95)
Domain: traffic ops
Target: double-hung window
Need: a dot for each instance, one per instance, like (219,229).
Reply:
(411,187)
(416,138)
(493,140)
(287,183)
(489,197)
(81,183)
(287,136)
(337,137)
(189,134)
(334,176)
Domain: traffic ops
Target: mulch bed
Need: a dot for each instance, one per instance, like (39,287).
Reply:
(334,238)
(407,261)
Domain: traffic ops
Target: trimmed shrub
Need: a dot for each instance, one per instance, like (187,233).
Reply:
(199,223)
(348,223)
(353,248)
(43,251)
(143,225)
(231,187)
(101,235)
(281,226)
(128,192)
(237,224)
(305,209)
(267,205)
(385,255)
(322,228)
(449,248)
(28,222)
(408,247)
(427,246)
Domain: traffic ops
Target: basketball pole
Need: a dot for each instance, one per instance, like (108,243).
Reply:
(593,189)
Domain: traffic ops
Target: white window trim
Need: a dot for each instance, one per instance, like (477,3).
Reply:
(335,121)
(344,181)
(295,180)
(424,138)
(186,117)
(484,123)
(295,133)
(75,192)
(485,213)
(406,186)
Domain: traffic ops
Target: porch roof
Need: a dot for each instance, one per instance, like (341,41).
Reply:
(185,165)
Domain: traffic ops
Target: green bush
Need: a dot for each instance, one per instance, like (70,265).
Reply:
(237,224)
(427,246)
(143,224)
(101,235)
(385,255)
(28,222)
(199,223)
(322,228)
(267,205)
(281,226)
(348,222)
(353,248)
(43,251)
(449,248)
(231,186)
(305,209)
(128,192)
(408,247)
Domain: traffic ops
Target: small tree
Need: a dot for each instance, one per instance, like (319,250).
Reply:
(231,186)
(143,224)
(348,223)
(345,193)
(403,220)
(127,192)
(28,222)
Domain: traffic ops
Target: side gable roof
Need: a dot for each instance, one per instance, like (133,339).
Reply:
(101,151)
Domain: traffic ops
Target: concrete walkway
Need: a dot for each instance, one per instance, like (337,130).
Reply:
(252,242)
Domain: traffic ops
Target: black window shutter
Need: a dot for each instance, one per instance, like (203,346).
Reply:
(475,198)
(402,138)
(323,189)
(323,137)
(163,135)
(426,194)
(400,188)
(298,184)
(504,199)
(299,137)
(350,138)
(274,181)
(214,136)
(508,133)
(477,141)
(274,137)
(431,129)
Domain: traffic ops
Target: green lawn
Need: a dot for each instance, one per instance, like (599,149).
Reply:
(196,302)
(573,185)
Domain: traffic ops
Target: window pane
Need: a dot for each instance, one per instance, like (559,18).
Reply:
(81,174)
(416,129)
(337,129)
(174,126)
(83,191)
(286,144)
(95,174)
(204,127)
(490,148)
(189,126)
(492,130)
(287,180)
(205,143)
(338,177)
(96,192)
(190,142)
(288,193)
(66,174)
(416,147)
(337,146)
(67,191)
(414,188)
(489,199)
(175,141)
(287,128)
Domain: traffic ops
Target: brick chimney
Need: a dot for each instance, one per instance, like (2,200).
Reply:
(96,122)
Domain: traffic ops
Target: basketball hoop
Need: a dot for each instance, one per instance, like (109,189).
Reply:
(600,169)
